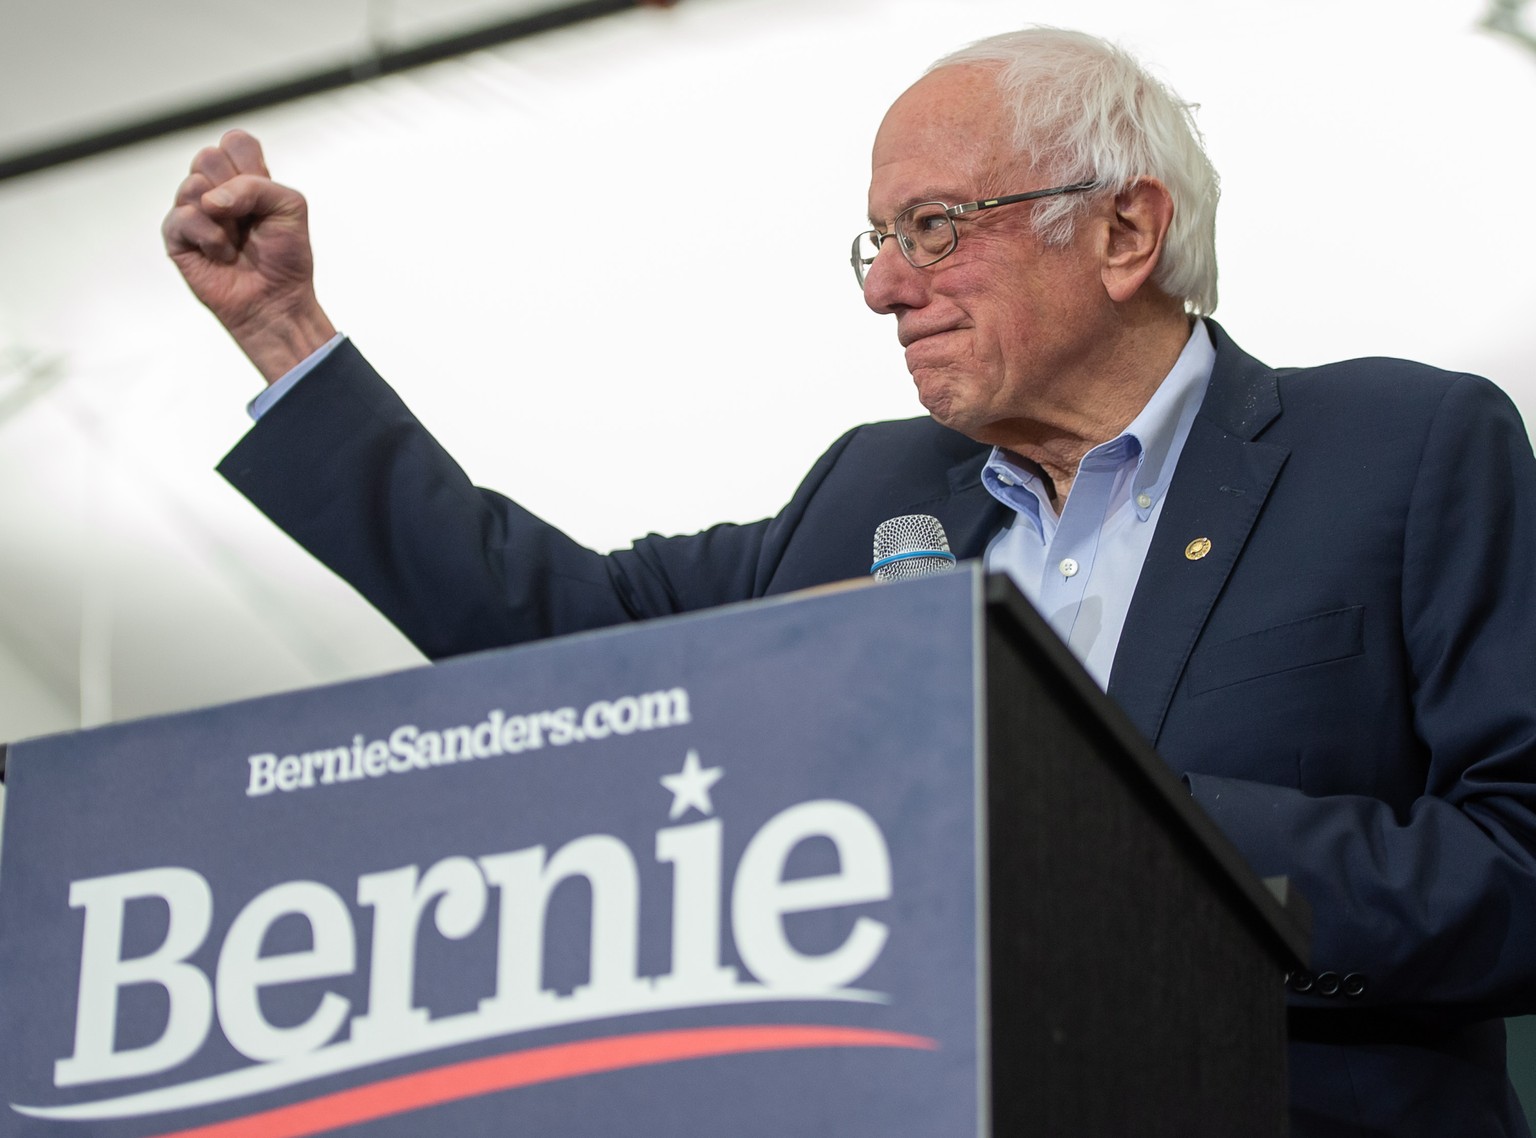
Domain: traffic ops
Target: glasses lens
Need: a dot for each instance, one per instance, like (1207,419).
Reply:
(864,249)
(926,233)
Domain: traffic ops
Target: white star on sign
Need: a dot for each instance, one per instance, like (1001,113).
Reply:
(690,787)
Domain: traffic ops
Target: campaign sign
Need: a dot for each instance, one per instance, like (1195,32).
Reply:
(715,875)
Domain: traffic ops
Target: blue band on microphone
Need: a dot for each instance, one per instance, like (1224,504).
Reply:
(895,557)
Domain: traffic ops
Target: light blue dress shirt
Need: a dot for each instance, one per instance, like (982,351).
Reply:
(1081,568)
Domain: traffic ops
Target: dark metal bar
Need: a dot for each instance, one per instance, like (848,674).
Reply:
(331,79)
(1503,17)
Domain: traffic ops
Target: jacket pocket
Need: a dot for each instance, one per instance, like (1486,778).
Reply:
(1335,635)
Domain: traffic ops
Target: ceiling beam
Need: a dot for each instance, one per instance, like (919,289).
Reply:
(371,66)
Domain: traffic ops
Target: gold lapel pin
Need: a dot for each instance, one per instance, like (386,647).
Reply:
(1197,548)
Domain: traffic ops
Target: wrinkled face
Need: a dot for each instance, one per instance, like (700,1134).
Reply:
(1002,331)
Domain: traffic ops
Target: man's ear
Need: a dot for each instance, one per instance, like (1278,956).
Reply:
(1137,229)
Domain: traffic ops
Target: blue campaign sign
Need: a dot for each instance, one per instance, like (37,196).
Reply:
(713,875)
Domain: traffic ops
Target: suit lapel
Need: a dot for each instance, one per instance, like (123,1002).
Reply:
(1219,486)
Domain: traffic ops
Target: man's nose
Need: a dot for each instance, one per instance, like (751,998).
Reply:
(892,283)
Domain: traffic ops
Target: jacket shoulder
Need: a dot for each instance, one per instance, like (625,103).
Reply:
(1371,393)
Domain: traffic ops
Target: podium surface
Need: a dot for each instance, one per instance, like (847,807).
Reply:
(880,861)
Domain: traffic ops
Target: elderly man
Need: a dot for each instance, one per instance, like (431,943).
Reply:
(1314,591)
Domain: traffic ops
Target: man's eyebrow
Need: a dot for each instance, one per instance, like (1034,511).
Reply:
(947,196)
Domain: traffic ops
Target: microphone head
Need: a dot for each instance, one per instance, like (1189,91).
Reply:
(913,545)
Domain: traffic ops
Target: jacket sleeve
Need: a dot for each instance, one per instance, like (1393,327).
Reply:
(343,467)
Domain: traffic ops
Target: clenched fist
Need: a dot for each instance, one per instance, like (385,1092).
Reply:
(241,241)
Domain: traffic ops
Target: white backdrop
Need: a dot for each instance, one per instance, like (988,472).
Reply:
(608,267)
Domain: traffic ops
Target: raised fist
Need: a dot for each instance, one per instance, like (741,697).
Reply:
(241,241)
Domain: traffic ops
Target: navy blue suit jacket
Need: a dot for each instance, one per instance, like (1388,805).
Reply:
(1346,681)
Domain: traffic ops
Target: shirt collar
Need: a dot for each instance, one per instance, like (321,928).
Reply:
(1153,438)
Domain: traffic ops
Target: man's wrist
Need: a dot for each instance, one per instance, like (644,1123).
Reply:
(281,345)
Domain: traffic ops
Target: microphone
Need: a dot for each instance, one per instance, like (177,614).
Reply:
(913,545)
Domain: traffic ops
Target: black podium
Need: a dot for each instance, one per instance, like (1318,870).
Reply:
(1158,1007)
(879,861)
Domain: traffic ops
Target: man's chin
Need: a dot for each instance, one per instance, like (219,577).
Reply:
(938,391)
(946,411)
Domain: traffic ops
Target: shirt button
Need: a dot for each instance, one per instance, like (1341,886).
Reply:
(1068,567)
(1144,500)
(1005,479)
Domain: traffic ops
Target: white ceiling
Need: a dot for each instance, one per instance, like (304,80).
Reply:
(478,226)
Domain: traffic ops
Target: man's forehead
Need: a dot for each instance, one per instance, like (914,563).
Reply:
(938,140)
(965,98)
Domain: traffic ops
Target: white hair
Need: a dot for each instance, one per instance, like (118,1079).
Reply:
(1085,110)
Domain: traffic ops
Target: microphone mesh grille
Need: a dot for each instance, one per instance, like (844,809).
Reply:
(913,534)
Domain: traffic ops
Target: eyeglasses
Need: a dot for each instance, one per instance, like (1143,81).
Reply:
(925,233)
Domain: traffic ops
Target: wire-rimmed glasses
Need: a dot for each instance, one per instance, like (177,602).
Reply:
(925,233)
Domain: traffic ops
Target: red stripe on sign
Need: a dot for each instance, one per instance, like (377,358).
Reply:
(541,1065)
